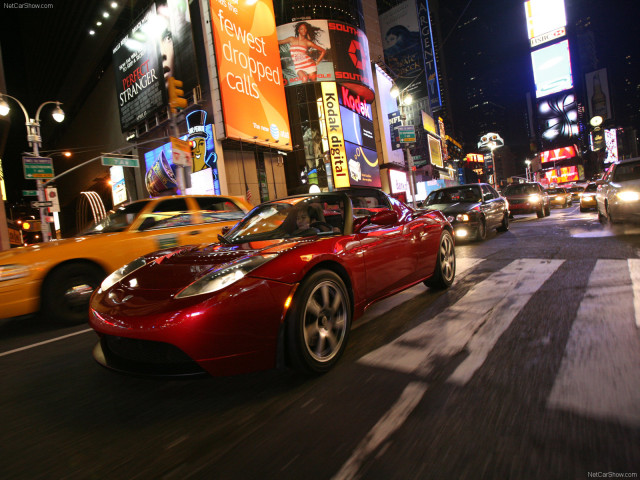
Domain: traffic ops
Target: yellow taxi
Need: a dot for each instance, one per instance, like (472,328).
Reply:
(57,278)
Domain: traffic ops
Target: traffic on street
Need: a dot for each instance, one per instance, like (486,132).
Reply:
(528,366)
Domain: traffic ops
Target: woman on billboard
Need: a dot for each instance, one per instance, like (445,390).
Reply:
(300,47)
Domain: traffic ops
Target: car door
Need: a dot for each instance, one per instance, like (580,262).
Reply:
(492,206)
(386,249)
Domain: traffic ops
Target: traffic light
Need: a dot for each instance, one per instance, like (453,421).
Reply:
(176,95)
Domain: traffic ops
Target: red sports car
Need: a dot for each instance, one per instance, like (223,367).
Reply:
(281,288)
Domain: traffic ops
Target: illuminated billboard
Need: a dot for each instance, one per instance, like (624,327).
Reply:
(475,157)
(435,152)
(599,100)
(561,175)
(611,143)
(249,73)
(337,153)
(160,45)
(326,51)
(552,69)
(545,19)
(558,154)
(558,118)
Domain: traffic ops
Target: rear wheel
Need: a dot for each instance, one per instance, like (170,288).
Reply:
(445,270)
(66,292)
(540,213)
(318,324)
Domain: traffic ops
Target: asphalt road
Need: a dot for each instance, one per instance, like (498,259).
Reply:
(528,367)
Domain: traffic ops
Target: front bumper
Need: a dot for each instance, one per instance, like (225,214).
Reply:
(525,207)
(625,211)
(19,297)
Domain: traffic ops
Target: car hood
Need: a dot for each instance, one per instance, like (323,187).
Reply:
(627,185)
(172,270)
(453,208)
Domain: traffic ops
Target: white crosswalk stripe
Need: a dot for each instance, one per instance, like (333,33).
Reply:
(600,371)
(499,298)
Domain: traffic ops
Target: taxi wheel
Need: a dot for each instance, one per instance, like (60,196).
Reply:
(318,323)
(445,270)
(547,211)
(67,290)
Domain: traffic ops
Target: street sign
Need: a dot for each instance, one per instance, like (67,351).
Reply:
(181,152)
(29,193)
(407,133)
(120,161)
(36,204)
(37,167)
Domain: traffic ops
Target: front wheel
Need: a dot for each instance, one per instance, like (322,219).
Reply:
(66,292)
(318,323)
(481,234)
(547,211)
(445,270)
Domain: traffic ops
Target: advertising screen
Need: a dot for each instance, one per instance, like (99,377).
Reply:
(552,69)
(159,46)
(398,181)
(558,118)
(435,152)
(404,49)
(249,73)
(356,129)
(561,175)
(544,16)
(363,166)
(611,144)
(326,51)
(475,157)
(337,153)
(558,154)
(598,98)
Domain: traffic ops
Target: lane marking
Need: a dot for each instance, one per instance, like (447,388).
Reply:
(600,371)
(3,354)
(502,294)
(381,431)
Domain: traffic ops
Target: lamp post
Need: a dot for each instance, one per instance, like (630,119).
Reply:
(405,99)
(491,141)
(35,141)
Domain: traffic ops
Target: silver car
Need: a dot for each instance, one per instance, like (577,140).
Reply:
(618,194)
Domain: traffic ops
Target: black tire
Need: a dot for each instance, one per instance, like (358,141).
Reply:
(318,323)
(547,211)
(445,271)
(582,209)
(67,290)
(601,218)
(610,217)
(481,234)
(540,213)
(504,226)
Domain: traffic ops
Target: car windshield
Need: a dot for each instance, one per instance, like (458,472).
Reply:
(117,220)
(291,217)
(592,187)
(520,190)
(626,171)
(455,195)
(554,191)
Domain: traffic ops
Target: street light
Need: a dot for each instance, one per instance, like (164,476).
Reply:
(528,169)
(35,141)
(405,99)
(491,141)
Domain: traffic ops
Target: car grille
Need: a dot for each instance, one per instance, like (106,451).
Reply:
(147,357)
(517,201)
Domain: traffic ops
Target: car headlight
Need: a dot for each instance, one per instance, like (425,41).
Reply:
(223,277)
(12,272)
(122,272)
(462,217)
(534,198)
(628,196)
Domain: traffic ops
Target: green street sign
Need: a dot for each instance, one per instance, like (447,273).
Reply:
(407,133)
(120,161)
(29,193)
(36,168)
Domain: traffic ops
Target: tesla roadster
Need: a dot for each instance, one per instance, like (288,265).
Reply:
(281,288)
